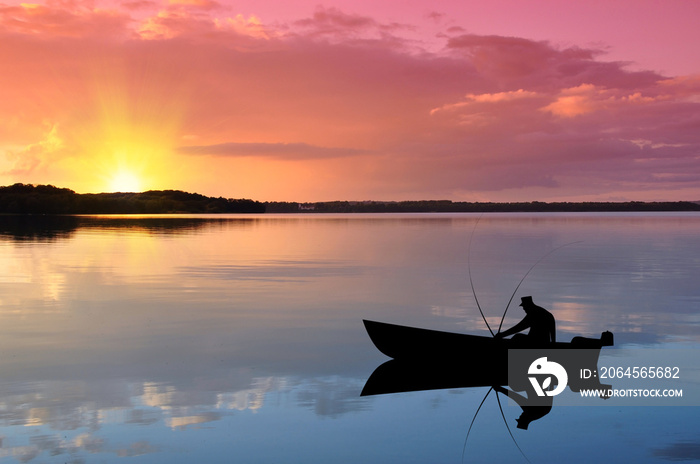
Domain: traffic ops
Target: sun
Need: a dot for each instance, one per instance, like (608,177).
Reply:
(125,181)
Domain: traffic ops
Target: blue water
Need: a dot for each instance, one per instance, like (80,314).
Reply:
(239,338)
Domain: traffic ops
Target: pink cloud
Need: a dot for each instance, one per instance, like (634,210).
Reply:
(140,4)
(203,4)
(368,110)
(272,150)
(45,20)
(334,19)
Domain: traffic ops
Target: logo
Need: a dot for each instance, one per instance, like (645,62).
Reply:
(551,373)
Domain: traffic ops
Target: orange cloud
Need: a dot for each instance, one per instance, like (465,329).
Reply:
(35,155)
(250,26)
(274,150)
(333,106)
(574,101)
(499,97)
(205,4)
(43,20)
(587,98)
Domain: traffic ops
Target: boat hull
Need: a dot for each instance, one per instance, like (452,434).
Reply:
(403,342)
(424,359)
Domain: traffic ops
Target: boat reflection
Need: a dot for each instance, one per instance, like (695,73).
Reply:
(507,367)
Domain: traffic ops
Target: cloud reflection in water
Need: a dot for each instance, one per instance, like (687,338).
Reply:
(122,339)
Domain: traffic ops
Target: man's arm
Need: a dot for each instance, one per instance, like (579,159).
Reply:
(519,327)
(517,397)
(553,330)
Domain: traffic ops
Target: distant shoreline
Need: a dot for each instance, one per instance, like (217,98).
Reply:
(447,206)
(47,199)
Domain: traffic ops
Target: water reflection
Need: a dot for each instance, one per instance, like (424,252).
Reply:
(56,227)
(152,336)
(37,228)
(50,412)
(681,451)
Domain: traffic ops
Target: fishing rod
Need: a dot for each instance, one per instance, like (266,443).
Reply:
(469,270)
(471,282)
(464,448)
(526,274)
(505,422)
(500,407)
(508,428)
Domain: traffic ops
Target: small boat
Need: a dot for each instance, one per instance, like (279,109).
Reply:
(424,359)
(402,342)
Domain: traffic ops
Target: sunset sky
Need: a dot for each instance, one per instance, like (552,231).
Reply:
(533,100)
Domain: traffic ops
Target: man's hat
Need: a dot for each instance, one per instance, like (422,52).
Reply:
(526,301)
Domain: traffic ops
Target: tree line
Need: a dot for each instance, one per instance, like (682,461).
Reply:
(447,206)
(47,199)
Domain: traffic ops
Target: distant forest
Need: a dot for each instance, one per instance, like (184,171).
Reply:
(47,199)
(447,206)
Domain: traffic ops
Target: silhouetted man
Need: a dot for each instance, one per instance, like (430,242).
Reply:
(538,320)
(530,411)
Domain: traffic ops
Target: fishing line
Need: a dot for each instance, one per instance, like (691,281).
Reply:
(469,270)
(464,448)
(523,279)
(471,282)
(508,428)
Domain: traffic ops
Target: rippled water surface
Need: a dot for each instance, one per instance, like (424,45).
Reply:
(240,338)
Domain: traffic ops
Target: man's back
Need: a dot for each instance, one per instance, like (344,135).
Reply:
(542,325)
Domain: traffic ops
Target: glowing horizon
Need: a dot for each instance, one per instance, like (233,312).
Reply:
(353,100)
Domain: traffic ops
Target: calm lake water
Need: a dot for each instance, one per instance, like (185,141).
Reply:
(240,338)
